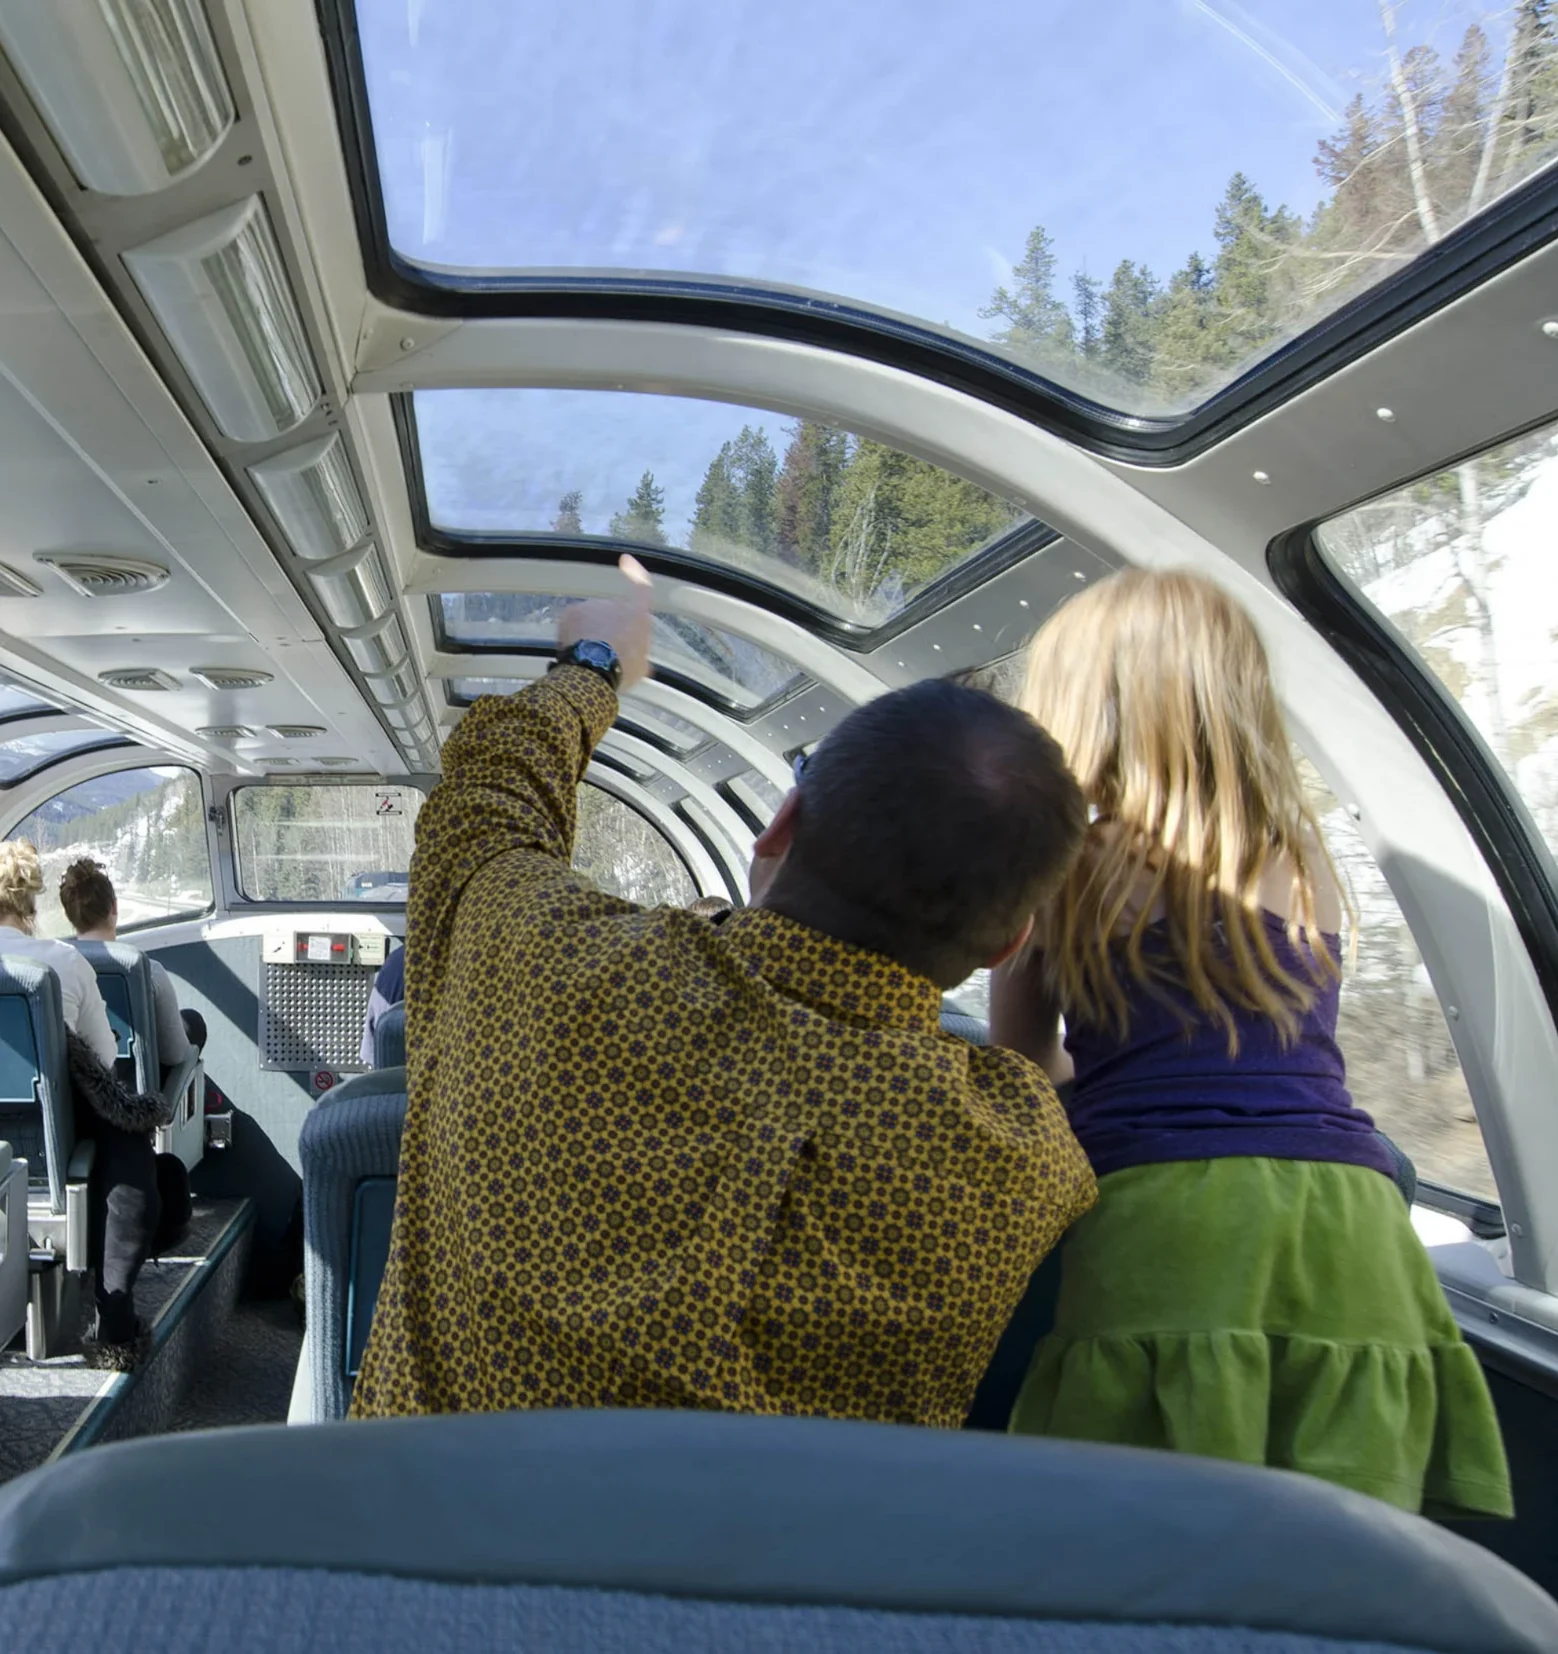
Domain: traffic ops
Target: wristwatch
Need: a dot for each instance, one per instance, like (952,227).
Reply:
(594,656)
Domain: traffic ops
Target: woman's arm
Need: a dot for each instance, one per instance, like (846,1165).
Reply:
(1025,1016)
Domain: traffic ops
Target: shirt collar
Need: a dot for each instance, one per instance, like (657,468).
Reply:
(846,983)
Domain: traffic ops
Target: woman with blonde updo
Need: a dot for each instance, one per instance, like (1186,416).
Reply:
(21,879)
(1249,1285)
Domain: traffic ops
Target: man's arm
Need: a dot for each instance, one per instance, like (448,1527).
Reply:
(511,775)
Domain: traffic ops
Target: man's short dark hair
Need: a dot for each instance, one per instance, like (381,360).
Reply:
(933,821)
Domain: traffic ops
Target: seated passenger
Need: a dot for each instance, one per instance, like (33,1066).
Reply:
(653,1162)
(389,988)
(123,1200)
(87,896)
(1249,1285)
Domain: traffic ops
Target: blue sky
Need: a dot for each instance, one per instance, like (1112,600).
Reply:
(895,151)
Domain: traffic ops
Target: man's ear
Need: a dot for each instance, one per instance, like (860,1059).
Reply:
(1017,943)
(772,846)
(775,839)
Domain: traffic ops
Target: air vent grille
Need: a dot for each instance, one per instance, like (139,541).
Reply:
(225,732)
(98,576)
(295,732)
(335,763)
(13,583)
(232,677)
(143,678)
(281,763)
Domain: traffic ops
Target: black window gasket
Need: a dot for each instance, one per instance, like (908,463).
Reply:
(1515,225)
(1476,783)
(602,550)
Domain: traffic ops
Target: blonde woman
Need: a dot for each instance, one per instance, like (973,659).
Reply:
(1249,1285)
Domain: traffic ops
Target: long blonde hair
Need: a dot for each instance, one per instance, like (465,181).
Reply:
(21,878)
(1157,686)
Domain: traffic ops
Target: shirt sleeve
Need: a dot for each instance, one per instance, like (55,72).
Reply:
(172,1038)
(510,785)
(91,1014)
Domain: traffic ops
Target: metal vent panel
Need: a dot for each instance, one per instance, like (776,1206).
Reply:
(232,677)
(106,576)
(311,1017)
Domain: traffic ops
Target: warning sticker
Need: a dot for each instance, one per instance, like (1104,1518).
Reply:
(319,950)
(389,804)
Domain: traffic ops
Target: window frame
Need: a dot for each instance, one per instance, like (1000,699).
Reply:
(446,645)
(1481,790)
(618,785)
(238,897)
(22,778)
(1504,232)
(213,879)
(603,550)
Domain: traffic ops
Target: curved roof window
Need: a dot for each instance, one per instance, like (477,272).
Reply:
(27,754)
(1139,201)
(18,701)
(718,664)
(852,528)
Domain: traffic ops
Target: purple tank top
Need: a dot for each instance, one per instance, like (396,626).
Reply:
(1170,1091)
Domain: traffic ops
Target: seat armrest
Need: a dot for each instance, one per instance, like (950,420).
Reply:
(178,1082)
(81,1161)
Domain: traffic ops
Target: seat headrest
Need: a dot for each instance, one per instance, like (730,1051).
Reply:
(389,1038)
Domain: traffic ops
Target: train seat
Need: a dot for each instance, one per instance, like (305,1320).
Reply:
(963,1026)
(703,1531)
(13,1244)
(389,1038)
(350,1152)
(125,981)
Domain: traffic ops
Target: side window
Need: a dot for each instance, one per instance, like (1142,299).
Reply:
(627,856)
(324,843)
(146,827)
(1401,1063)
(1460,564)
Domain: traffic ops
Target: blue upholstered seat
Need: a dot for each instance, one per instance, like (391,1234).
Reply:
(662,1531)
(350,1150)
(389,1038)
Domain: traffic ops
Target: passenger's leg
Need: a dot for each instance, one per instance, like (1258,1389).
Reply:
(125,1206)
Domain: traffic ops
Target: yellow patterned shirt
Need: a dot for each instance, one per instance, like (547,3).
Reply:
(653,1162)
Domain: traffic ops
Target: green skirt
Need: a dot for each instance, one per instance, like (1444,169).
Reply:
(1278,1312)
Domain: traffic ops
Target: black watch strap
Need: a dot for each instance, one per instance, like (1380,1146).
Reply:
(594,656)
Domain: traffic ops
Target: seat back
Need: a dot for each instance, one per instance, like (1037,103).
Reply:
(696,1531)
(13,1244)
(350,1150)
(389,1038)
(124,980)
(37,1115)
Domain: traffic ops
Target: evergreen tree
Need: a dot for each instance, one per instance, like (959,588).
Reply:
(567,520)
(644,517)
(754,471)
(1035,319)
(716,518)
(814,461)
(1185,332)
(1089,305)
(1252,244)
(1127,343)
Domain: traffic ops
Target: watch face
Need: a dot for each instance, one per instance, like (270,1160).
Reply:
(599,655)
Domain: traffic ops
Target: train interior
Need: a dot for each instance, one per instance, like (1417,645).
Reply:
(342,345)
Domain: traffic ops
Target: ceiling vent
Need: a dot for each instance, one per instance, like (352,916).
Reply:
(96,576)
(142,678)
(295,732)
(280,763)
(225,732)
(335,763)
(232,677)
(13,583)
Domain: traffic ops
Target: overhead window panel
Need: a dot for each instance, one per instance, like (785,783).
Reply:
(716,663)
(852,528)
(1138,201)
(27,754)
(17,701)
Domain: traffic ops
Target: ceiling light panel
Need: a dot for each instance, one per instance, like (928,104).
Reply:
(400,684)
(314,497)
(352,589)
(378,649)
(133,91)
(220,291)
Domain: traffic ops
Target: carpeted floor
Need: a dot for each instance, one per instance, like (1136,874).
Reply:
(247,1378)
